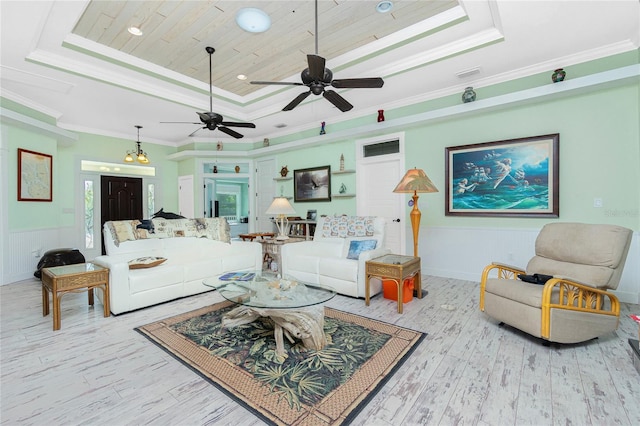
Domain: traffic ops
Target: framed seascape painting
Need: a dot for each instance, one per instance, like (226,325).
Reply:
(312,184)
(34,176)
(516,178)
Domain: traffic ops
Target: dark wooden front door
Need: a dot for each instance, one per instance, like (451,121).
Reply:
(121,199)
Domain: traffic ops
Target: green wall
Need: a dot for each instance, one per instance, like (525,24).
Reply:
(599,157)
(318,156)
(26,215)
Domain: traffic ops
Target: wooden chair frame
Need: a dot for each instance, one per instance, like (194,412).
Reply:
(572,295)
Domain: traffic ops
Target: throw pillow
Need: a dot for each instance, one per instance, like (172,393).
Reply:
(146,262)
(358,246)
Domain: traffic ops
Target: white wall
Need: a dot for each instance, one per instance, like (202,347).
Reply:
(463,253)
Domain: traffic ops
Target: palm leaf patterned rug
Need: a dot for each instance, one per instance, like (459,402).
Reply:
(305,387)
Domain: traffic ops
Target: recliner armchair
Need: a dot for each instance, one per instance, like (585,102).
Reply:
(585,260)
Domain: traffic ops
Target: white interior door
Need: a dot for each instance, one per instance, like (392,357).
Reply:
(265,191)
(186,196)
(377,177)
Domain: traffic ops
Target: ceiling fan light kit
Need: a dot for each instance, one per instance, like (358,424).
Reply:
(210,119)
(317,77)
(253,20)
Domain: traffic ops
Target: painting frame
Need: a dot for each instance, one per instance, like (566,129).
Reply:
(507,178)
(312,184)
(35,176)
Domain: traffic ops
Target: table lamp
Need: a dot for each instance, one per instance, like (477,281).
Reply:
(415,180)
(281,208)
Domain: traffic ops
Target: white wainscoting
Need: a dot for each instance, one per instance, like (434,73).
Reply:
(463,253)
(459,253)
(19,247)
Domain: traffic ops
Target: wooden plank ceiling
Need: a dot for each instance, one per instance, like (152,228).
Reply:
(177,32)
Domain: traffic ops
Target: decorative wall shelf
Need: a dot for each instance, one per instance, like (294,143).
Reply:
(281,179)
(343,195)
(343,172)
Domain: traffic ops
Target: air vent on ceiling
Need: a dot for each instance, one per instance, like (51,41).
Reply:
(468,72)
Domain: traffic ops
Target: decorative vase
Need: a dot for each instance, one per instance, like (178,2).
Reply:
(380,115)
(558,75)
(469,95)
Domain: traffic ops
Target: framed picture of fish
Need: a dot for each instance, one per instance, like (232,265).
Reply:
(312,184)
(513,178)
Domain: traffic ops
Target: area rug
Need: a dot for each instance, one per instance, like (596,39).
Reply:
(306,387)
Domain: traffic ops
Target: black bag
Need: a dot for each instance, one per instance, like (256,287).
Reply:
(535,278)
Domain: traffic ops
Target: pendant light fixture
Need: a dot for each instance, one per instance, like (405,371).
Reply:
(138,155)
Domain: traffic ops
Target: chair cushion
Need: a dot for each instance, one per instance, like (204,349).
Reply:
(520,291)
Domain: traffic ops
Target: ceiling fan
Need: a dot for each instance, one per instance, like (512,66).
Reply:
(212,120)
(316,77)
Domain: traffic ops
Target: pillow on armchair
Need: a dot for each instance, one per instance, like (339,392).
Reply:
(358,246)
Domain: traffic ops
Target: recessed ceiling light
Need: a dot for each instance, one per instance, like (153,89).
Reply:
(384,6)
(241,77)
(253,20)
(134,30)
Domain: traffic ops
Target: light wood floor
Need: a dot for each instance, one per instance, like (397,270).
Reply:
(99,371)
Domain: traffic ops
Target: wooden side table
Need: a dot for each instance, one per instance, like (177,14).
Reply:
(396,268)
(60,280)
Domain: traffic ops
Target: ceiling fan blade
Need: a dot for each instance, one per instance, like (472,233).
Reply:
(230,132)
(234,124)
(177,122)
(196,130)
(281,83)
(358,83)
(294,103)
(337,100)
(316,67)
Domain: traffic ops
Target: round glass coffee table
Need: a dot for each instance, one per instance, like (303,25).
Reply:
(295,307)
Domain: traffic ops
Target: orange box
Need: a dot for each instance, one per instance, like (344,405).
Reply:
(390,290)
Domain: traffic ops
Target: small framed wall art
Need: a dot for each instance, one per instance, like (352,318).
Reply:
(516,178)
(312,184)
(35,176)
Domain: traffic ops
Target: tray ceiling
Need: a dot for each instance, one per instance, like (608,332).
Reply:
(176,33)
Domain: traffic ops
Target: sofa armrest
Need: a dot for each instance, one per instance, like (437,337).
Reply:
(118,275)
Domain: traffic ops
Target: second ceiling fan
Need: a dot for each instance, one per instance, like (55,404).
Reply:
(316,77)
(213,120)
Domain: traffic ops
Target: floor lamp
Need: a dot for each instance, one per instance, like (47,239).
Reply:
(414,181)
(281,208)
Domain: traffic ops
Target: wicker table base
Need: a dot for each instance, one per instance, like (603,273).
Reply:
(61,280)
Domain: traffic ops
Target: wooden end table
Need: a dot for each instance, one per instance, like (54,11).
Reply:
(396,268)
(60,280)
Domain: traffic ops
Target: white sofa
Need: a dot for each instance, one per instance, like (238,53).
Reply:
(195,249)
(324,260)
